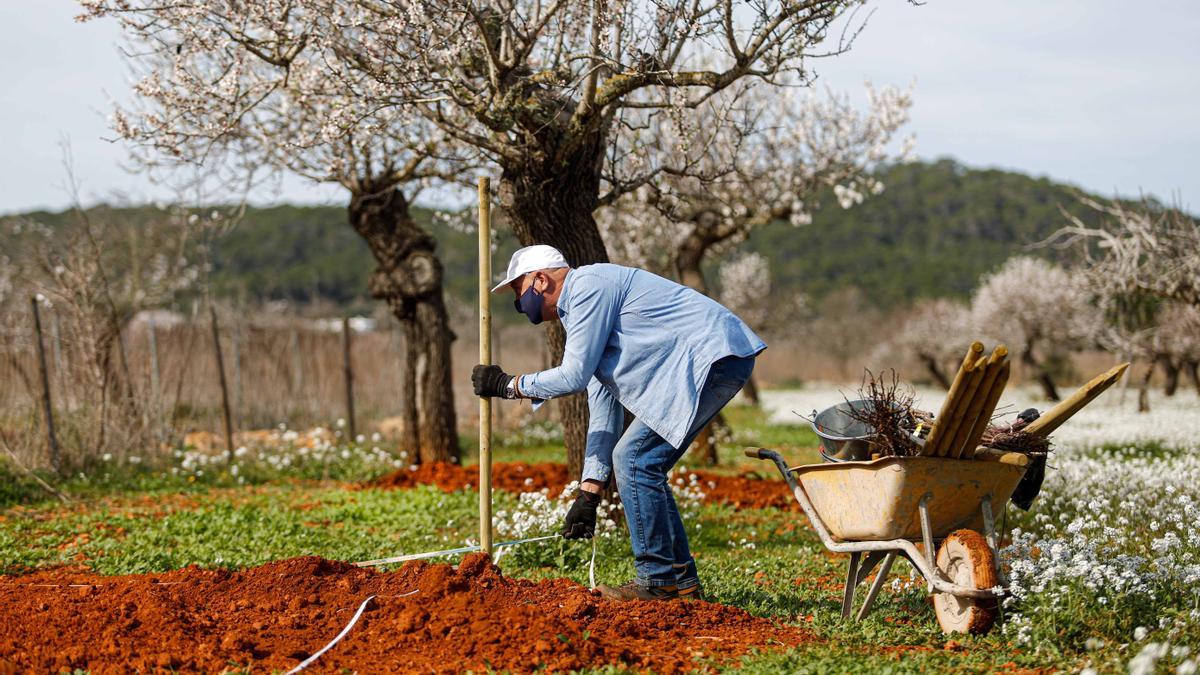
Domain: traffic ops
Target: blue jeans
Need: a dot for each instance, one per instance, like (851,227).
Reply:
(641,461)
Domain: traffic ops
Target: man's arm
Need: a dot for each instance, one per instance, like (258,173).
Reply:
(595,304)
(604,428)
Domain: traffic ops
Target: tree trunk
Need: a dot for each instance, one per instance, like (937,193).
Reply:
(409,278)
(1193,371)
(551,201)
(935,370)
(1042,375)
(689,258)
(409,436)
(750,391)
(1171,369)
(1144,389)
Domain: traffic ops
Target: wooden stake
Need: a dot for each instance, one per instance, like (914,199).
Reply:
(981,405)
(1053,418)
(216,335)
(968,450)
(952,431)
(47,407)
(485,357)
(348,372)
(937,433)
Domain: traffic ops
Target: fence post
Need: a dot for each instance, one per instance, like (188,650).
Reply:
(216,334)
(297,365)
(155,375)
(47,408)
(348,369)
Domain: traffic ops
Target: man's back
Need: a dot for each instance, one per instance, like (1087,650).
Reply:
(659,339)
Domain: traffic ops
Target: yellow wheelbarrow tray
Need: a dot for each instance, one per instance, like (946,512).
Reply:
(882,507)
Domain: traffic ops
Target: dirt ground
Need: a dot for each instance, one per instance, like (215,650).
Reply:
(274,616)
(740,491)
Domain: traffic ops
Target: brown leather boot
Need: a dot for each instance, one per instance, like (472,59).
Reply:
(635,591)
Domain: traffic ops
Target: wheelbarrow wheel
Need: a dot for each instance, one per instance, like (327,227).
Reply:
(966,559)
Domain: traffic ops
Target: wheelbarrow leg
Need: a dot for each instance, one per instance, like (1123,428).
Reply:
(878,584)
(989,523)
(927,533)
(867,564)
(851,578)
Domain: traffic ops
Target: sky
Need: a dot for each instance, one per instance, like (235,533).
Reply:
(1103,94)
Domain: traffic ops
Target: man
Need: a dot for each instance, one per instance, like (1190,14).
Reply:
(671,356)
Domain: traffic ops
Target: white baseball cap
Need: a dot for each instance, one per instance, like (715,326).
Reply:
(531,259)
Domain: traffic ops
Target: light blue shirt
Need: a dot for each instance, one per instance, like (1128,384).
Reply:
(637,340)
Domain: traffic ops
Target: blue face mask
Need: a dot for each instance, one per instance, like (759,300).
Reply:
(530,304)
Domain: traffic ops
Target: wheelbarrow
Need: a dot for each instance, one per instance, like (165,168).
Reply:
(876,510)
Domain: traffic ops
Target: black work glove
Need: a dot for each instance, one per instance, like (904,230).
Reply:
(580,522)
(490,381)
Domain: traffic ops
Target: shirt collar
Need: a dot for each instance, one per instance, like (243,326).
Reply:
(564,298)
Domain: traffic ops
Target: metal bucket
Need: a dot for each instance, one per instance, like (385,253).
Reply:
(843,438)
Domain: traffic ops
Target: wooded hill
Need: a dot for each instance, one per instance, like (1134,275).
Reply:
(935,229)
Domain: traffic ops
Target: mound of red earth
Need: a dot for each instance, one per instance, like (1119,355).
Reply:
(747,491)
(270,618)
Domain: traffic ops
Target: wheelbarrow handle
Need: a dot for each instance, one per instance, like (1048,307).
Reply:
(755,453)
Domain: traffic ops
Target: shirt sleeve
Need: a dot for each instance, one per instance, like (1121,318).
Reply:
(606,417)
(594,306)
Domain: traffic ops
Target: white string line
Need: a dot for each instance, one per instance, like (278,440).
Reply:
(592,566)
(449,551)
(309,661)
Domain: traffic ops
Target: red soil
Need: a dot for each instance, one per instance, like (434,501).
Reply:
(747,491)
(272,617)
(507,476)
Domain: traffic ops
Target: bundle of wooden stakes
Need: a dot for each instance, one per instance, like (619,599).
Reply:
(969,405)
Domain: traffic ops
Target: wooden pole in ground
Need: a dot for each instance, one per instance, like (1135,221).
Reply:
(216,335)
(47,407)
(485,357)
(348,371)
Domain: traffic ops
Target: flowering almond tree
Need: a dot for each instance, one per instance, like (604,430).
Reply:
(535,85)
(746,287)
(1142,267)
(763,156)
(1146,248)
(540,87)
(1178,338)
(936,331)
(252,93)
(1038,309)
